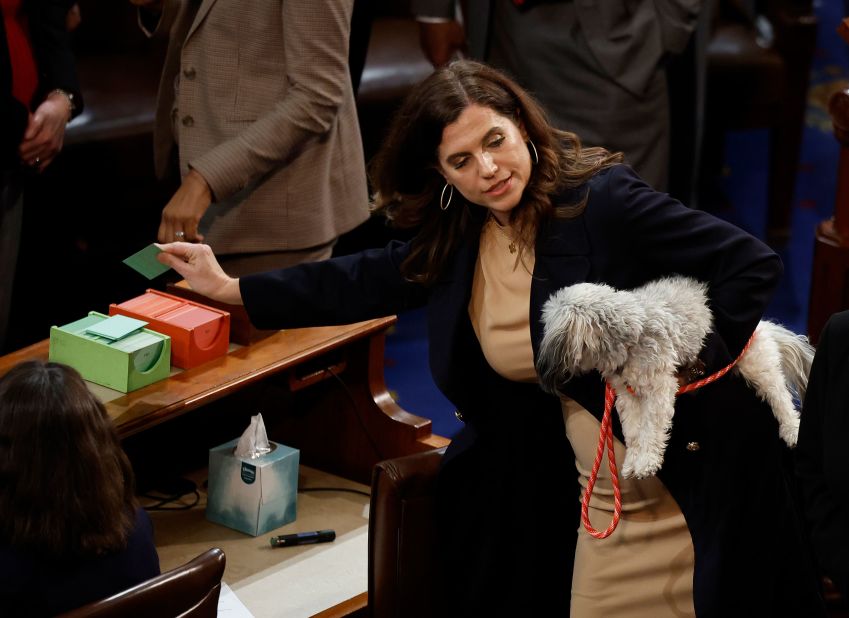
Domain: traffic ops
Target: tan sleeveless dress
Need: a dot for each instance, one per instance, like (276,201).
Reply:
(645,568)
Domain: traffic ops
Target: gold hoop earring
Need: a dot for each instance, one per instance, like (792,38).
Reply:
(535,157)
(443,205)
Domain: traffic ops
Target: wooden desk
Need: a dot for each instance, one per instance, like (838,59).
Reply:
(333,398)
(297,582)
(332,404)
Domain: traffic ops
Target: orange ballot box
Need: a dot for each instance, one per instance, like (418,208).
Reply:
(198,333)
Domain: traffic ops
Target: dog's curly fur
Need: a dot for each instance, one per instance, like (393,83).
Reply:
(640,339)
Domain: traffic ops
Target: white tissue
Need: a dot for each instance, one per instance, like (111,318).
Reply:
(254,441)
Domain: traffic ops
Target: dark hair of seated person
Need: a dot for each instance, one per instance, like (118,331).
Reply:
(66,486)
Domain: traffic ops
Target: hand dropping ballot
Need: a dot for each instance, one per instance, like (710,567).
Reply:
(253,483)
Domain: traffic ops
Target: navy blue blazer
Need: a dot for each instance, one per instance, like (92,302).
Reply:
(33,586)
(509,498)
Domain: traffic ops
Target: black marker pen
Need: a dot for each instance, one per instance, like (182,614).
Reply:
(303,538)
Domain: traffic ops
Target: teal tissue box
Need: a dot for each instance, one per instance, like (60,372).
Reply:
(252,495)
(127,359)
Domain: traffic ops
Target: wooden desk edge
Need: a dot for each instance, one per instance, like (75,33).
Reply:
(130,426)
(423,440)
(356,331)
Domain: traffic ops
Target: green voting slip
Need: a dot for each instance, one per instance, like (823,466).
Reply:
(116,327)
(146,263)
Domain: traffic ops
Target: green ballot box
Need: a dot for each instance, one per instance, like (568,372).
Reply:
(252,495)
(117,353)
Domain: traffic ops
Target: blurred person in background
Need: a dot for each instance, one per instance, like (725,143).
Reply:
(597,66)
(257,110)
(39,95)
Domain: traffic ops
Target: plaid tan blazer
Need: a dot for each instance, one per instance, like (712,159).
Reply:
(265,112)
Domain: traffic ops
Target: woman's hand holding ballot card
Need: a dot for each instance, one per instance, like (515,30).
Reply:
(197,265)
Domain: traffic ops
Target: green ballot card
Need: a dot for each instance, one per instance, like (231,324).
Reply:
(116,327)
(146,263)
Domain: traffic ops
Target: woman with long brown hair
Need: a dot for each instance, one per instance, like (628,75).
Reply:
(404,172)
(71,530)
(510,211)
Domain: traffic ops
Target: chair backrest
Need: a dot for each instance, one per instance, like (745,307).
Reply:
(189,591)
(393,64)
(402,536)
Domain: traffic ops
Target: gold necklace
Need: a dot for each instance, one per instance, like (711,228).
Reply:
(512,243)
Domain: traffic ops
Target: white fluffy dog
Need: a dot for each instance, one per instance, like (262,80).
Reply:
(641,338)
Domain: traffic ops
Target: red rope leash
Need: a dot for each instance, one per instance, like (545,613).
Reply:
(605,438)
(713,378)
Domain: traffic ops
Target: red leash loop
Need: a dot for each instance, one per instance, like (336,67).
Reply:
(605,438)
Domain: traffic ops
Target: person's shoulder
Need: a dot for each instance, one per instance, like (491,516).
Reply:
(593,184)
(141,549)
(613,179)
(609,192)
(143,521)
(616,187)
(837,326)
(142,533)
(618,173)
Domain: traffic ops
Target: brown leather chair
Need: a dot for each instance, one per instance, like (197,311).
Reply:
(392,65)
(189,591)
(119,70)
(402,536)
(755,83)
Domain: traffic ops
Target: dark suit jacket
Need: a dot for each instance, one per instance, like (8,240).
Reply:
(821,452)
(628,39)
(509,496)
(55,61)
